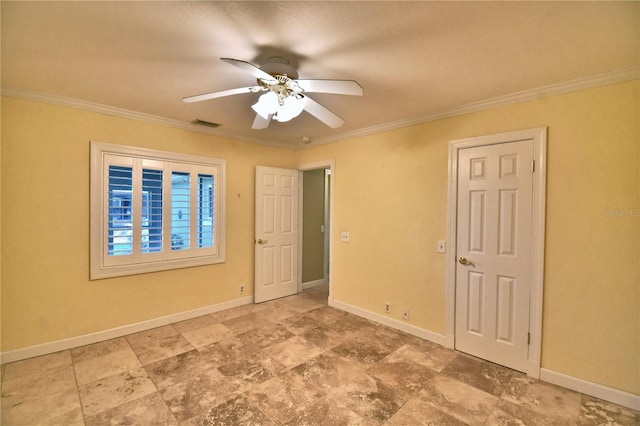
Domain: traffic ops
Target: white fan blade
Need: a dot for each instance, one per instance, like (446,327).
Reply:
(337,87)
(322,114)
(251,69)
(260,122)
(229,92)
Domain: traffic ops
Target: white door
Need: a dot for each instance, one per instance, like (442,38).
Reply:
(494,254)
(276,239)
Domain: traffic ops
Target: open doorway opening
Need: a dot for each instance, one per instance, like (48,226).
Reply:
(316,225)
(315,270)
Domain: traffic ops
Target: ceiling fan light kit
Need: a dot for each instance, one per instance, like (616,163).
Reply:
(285,96)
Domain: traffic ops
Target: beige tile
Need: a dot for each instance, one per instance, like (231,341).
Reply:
(403,377)
(226,351)
(204,336)
(194,323)
(283,396)
(345,381)
(246,322)
(254,369)
(196,396)
(114,391)
(328,412)
(459,400)
(300,304)
(507,413)
(39,384)
(237,411)
(330,372)
(179,368)
(436,358)
(597,412)
(158,343)
(543,398)
(299,324)
(324,335)
(99,363)
(99,349)
(326,314)
(148,410)
(62,408)
(276,313)
(364,351)
(418,412)
(34,365)
(293,351)
(481,374)
(265,336)
(239,311)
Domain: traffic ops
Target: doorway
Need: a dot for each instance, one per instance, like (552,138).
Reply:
(316,224)
(496,247)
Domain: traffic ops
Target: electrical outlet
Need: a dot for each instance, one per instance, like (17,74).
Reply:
(344,237)
(387,307)
(241,289)
(405,314)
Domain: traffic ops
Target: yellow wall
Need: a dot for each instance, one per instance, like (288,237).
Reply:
(46,292)
(390,194)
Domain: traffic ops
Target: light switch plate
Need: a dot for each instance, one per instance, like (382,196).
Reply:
(442,247)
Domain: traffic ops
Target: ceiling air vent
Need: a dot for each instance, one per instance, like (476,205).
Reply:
(205,123)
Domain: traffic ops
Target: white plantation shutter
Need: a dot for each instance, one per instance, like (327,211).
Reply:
(206,217)
(120,223)
(154,211)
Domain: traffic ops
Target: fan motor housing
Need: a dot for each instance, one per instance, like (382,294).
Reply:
(279,66)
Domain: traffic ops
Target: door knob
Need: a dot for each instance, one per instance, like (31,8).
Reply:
(465,261)
(261,241)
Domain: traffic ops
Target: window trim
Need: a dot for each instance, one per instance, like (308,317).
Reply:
(99,213)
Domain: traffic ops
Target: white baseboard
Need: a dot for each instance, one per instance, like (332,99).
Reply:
(315,283)
(605,393)
(393,323)
(100,336)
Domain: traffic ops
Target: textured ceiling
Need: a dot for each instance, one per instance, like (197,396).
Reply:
(413,59)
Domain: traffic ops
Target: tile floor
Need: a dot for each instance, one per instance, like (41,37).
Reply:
(293,361)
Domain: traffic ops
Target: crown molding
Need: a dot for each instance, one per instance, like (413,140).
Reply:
(527,95)
(125,113)
(499,101)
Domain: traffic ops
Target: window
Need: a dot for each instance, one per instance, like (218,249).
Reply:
(153,210)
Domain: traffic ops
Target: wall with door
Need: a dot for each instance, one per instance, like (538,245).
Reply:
(46,292)
(391,195)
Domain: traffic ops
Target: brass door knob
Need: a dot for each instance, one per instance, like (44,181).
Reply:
(465,261)
(261,241)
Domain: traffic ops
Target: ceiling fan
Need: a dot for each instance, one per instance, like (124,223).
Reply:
(285,95)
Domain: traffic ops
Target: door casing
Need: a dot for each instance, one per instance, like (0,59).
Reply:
(538,136)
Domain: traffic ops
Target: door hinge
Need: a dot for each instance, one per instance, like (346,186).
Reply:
(528,338)
(533,166)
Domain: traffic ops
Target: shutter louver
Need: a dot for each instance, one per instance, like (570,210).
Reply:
(206,193)
(120,227)
(180,211)
(152,210)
